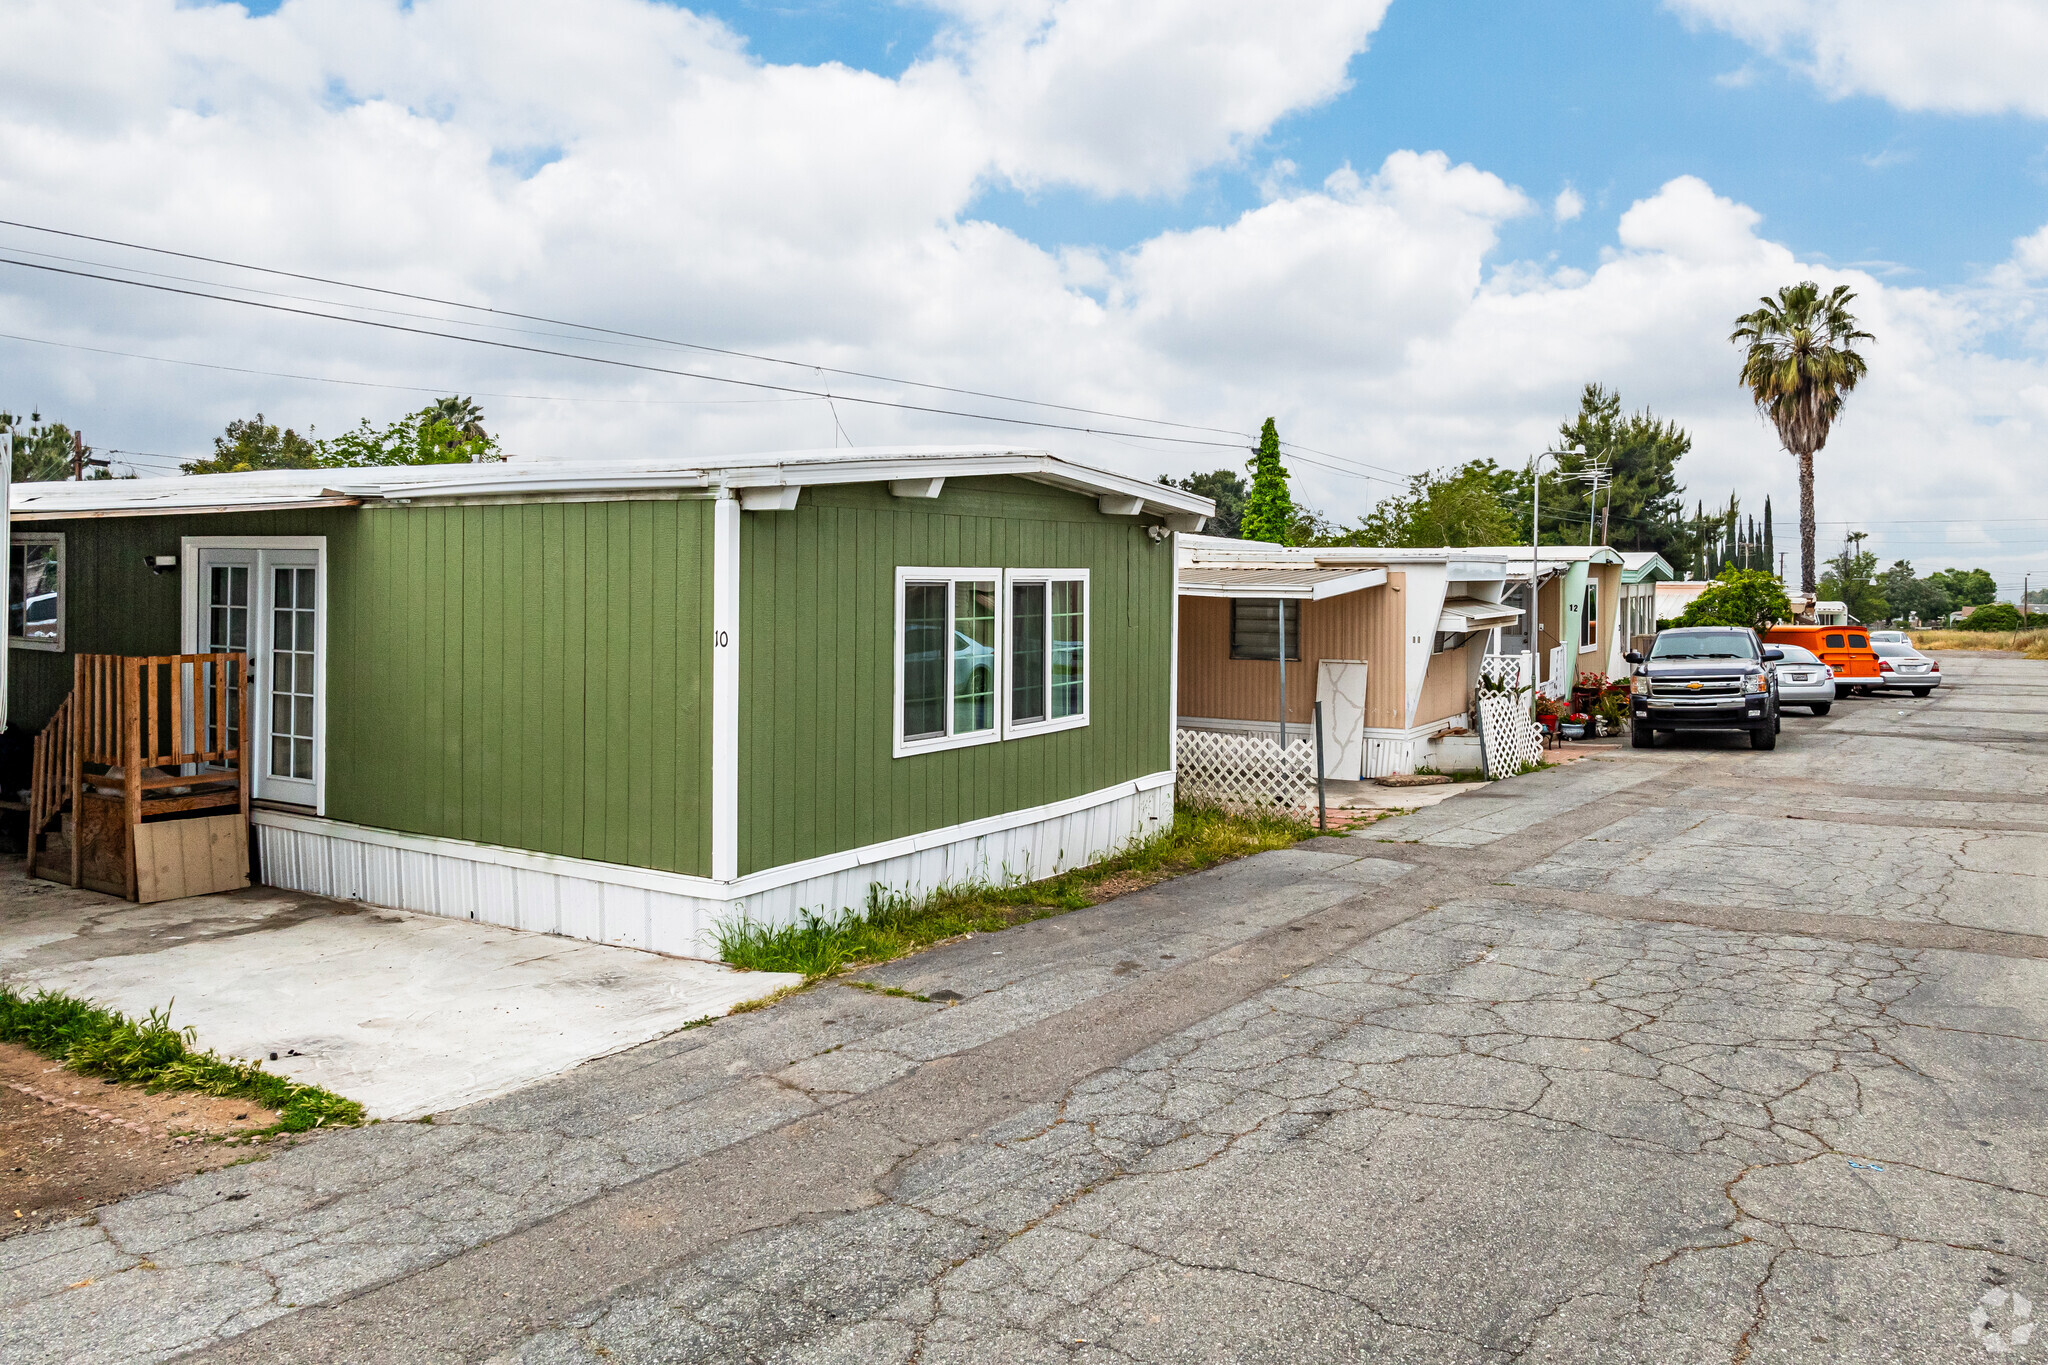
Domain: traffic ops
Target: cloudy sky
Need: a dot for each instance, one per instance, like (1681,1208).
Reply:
(1410,232)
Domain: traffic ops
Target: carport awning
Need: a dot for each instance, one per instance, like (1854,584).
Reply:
(1469,613)
(1312,583)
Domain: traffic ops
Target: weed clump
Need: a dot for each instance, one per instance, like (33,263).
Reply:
(820,944)
(149,1052)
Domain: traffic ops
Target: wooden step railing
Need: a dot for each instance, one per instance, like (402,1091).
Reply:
(159,734)
(51,778)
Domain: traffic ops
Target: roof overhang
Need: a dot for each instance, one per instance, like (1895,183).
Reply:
(762,483)
(1469,613)
(1307,584)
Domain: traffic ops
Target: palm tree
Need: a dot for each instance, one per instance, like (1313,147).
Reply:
(1800,365)
(461,413)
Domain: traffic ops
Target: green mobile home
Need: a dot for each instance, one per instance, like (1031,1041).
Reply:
(624,701)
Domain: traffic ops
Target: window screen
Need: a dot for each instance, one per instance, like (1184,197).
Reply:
(1255,628)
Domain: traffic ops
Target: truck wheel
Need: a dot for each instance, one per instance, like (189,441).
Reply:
(1763,737)
(1641,736)
(1820,708)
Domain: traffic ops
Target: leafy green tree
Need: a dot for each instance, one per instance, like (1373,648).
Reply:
(1995,616)
(417,438)
(256,444)
(1740,597)
(1799,364)
(1966,587)
(42,453)
(1638,504)
(1225,488)
(1913,597)
(1269,508)
(1459,506)
(1851,579)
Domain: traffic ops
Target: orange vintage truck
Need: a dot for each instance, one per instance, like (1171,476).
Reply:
(1845,649)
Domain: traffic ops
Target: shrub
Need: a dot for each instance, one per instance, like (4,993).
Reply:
(1997,616)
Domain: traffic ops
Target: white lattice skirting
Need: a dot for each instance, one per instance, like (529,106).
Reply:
(1512,740)
(1245,773)
(668,912)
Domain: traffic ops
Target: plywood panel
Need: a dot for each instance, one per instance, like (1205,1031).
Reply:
(197,857)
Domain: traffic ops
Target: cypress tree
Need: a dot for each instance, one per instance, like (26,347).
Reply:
(1770,550)
(1268,509)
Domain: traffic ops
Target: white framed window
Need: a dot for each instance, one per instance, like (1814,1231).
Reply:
(1046,625)
(948,658)
(1589,619)
(35,591)
(988,654)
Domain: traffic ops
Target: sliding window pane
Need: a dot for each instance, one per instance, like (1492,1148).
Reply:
(924,660)
(1255,628)
(1027,652)
(1069,631)
(974,657)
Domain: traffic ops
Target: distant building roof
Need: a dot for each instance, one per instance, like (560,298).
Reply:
(1645,566)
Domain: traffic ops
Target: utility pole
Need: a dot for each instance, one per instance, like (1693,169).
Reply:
(80,453)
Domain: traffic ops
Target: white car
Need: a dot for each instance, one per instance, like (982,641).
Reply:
(1803,680)
(1889,637)
(1904,666)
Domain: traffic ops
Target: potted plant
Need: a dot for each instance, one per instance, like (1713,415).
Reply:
(1573,726)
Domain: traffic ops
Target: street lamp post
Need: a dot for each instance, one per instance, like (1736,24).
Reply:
(1535,566)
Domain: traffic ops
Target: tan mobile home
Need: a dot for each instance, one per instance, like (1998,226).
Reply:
(1389,640)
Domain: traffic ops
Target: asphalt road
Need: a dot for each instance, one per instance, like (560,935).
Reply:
(1692,1055)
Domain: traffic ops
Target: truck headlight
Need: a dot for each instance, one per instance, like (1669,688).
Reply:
(1639,685)
(1760,683)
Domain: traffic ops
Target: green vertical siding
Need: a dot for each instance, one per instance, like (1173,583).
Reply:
(535,676)
(817,691)
(546,684)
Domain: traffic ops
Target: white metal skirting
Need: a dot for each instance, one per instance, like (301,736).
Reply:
(670,913)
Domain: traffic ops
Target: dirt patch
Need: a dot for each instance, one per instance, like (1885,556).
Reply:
(70,1142)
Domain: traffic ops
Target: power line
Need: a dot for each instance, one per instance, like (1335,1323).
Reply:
(606,331)
(373,384)
(613,360)
(640,337)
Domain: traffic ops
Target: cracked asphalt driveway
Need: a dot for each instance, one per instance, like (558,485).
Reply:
(1692,1055)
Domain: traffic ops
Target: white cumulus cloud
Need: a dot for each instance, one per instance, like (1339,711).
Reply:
(1958,56)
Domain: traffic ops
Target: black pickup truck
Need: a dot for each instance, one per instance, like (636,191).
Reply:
(1704,678)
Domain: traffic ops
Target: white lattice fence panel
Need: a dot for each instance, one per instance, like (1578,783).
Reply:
(1513,741)
(1504,671)
(1246,773)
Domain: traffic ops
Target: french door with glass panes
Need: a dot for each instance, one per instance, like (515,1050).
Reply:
(265,602)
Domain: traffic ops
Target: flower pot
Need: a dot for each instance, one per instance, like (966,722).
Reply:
(1567,730)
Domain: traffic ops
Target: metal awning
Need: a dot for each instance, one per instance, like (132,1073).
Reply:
(1311,584)
(1469,613)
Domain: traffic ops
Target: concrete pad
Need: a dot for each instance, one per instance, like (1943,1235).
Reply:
(408,1014)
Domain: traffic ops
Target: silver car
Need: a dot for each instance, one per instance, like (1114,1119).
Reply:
(1803,680)
(1890,637)
(1904,666)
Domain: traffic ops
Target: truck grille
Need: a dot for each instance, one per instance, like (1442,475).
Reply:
(1698,687)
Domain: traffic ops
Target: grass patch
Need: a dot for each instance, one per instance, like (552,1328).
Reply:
(2032,643)
(892,925)
(152,1054)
